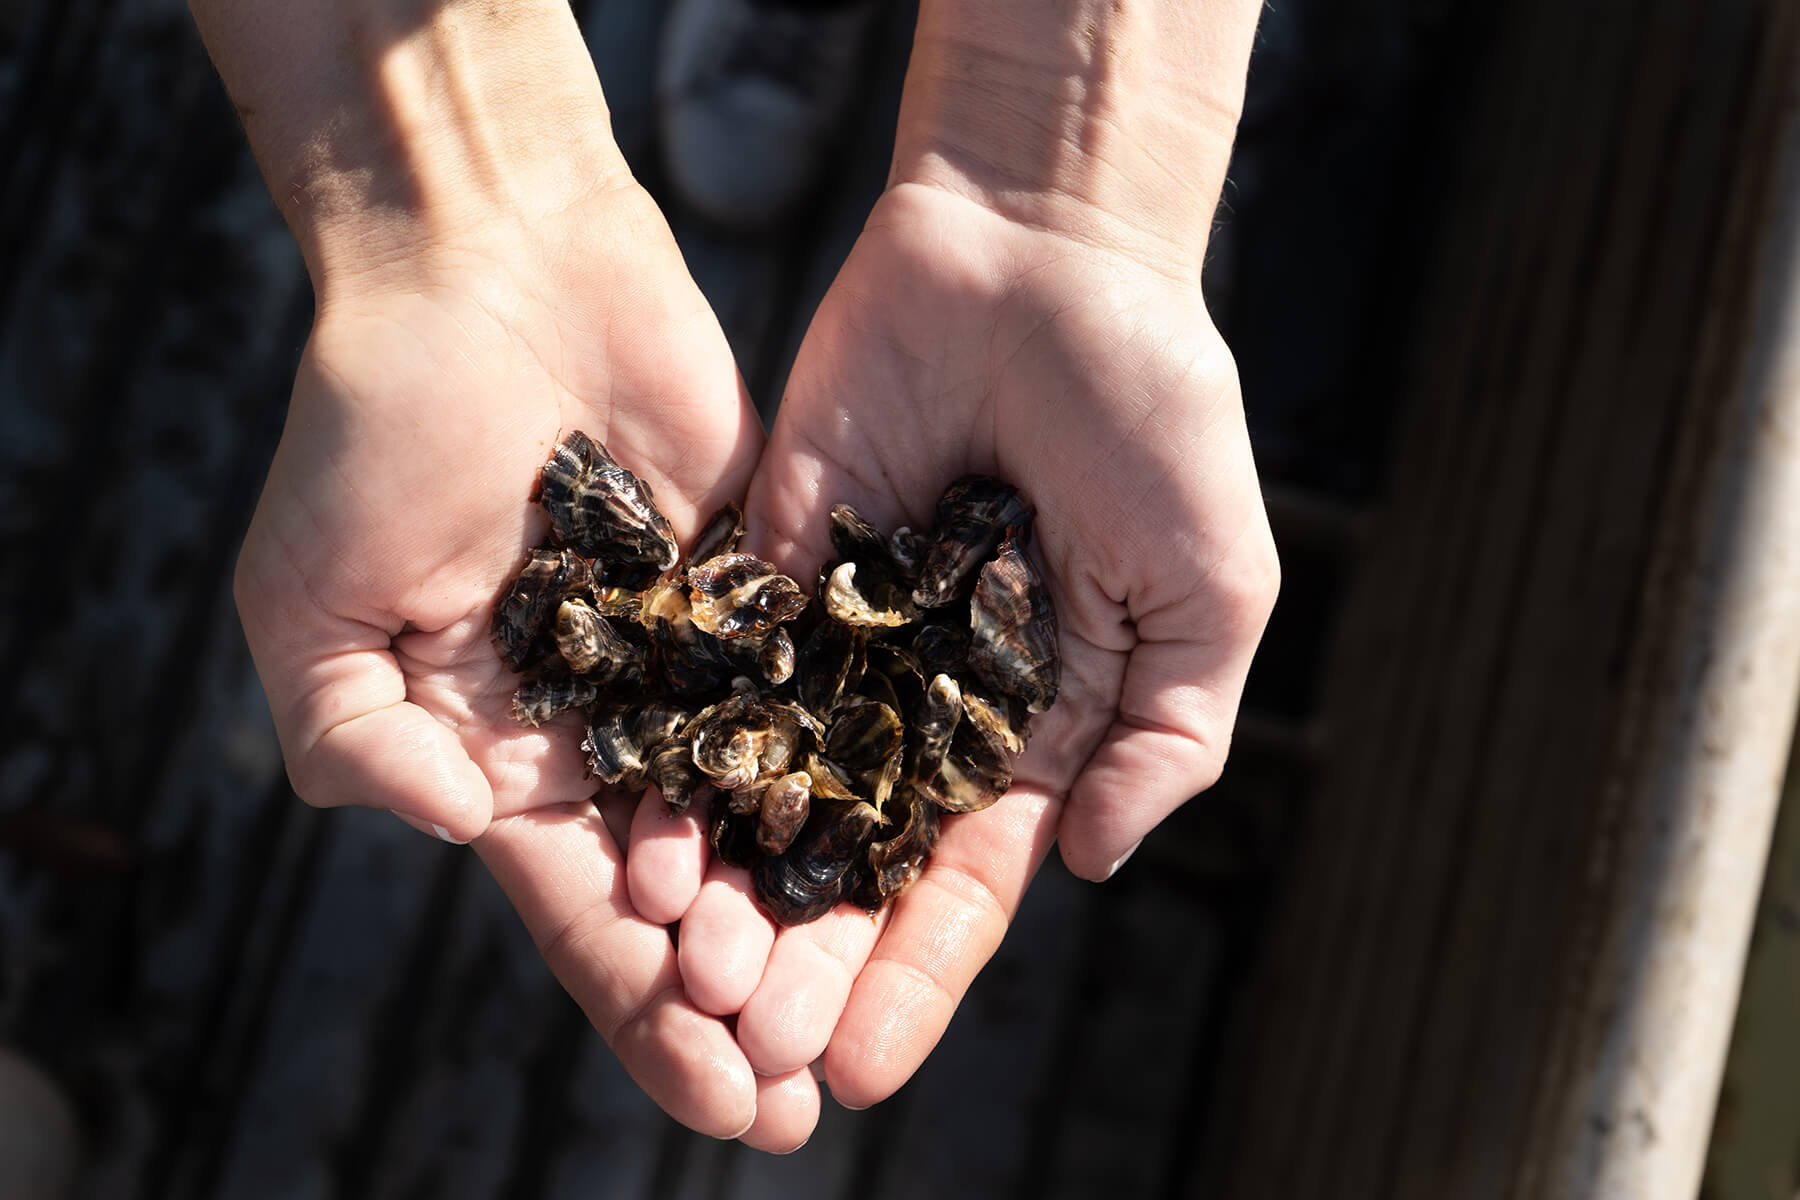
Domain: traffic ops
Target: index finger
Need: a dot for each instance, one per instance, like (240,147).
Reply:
(562,870)
(942,932)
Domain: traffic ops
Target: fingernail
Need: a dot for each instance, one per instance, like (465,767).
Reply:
(1123,858)
(432,828)
(732,1137)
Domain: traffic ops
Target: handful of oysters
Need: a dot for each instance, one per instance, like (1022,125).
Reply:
(829,732)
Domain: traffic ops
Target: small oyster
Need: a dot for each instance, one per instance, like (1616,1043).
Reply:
(775,657)
(973,514)
(602,510)
(1012,642)
(807,879)
(830,665)
(909,551)
(621,738)
(896,862)
(719,535)
(785,803)
(934,725)
(590,647)
(692,661)
(857,541)
(522,618)
(671,768)
(970,778)
(728,740)
(885,605)
(740,596)
(541,698)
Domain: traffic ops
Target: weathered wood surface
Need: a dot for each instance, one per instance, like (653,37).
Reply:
(1752,1154)
(248,997)
(1406,1032)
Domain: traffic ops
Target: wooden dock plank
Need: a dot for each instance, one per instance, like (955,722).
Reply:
(1477,696)
(362,908)
(969,1121)
(854,182)
(455,1097)
(622,36)
(615,1133)
(1115,1121)
(218,846)
(826,1167)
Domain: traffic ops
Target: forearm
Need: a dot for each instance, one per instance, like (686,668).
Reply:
(1094,112)
(383,125)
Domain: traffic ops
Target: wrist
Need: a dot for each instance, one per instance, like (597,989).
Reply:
(1111,123)
(395,131)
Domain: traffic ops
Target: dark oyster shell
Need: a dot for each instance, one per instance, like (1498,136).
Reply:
(733,837)
(997,723)
(896,862)
(692,662)
(857,541)
(671,768)
(973,514)
(941,647)
(934,724)
(1012,641)
(785,803)
(728,740)
(884,605)
(619,603)
(804,882)
(719,535)
(522,618)
(602,510)
(971,776)
(541,698)
(909,551)
(830,665)
(864,735)
(590,647)
(776,656)
(740,596)
(792,734)
(621,738)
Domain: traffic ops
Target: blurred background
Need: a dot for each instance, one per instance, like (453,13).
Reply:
(1493,275)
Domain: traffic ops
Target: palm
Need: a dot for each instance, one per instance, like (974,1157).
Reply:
(1095,384)
(956,342)
(432,519)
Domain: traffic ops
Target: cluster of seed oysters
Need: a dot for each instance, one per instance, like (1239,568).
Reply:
(834,729)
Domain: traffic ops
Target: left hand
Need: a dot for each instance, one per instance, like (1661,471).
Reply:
(955,340)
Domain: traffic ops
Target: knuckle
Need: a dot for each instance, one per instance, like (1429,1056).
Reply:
(303,785)
(1209,765)
(1248,583)
(301,765)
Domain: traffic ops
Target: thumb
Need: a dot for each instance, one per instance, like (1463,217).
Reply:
(347,731)
(1177,706)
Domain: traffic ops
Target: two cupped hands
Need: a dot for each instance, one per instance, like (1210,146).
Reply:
(1053,337)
